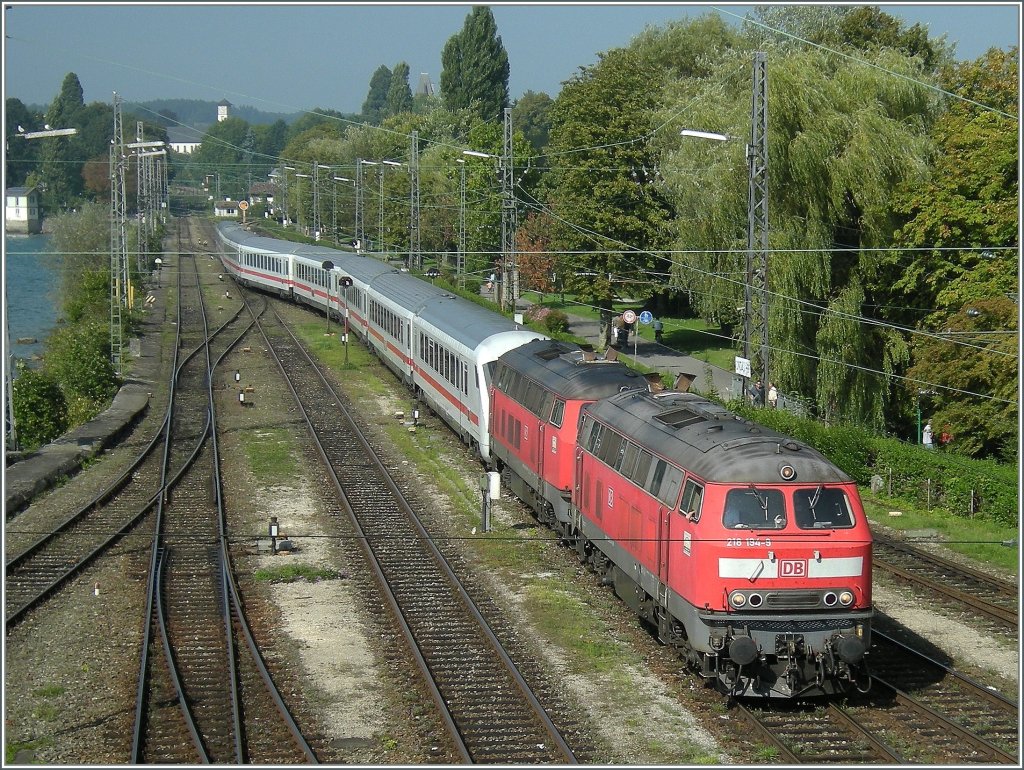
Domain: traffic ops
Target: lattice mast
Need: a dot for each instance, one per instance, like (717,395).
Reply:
(757,214)
(118,239)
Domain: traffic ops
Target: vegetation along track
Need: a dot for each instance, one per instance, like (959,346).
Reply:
(198,699)
(489,709)
(991,598)
(46,561)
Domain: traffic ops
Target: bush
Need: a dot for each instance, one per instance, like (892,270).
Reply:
(78,357)
(40,409)
(554,321)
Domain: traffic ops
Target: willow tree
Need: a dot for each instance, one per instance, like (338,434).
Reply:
(841,137)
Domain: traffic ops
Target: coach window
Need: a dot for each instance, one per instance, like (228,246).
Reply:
(693,497)
(752,508)
(820,508)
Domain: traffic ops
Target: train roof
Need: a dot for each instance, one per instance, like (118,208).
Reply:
(466,321)
(566,370)
(363,269)
(712,442)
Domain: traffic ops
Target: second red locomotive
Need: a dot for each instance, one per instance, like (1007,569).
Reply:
(746,550)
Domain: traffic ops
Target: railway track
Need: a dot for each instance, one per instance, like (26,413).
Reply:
(489,710)
(917,710)
(204,693)
(987,596)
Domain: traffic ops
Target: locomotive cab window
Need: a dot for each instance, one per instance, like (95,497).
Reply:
(821,508)
(693,497)
(557,413)
(753,508)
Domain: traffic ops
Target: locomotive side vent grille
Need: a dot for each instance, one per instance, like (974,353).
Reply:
(679,418)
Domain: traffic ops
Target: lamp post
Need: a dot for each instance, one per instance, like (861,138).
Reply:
(328,266)
(757,213)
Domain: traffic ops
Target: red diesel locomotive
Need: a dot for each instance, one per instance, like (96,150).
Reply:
(746,550)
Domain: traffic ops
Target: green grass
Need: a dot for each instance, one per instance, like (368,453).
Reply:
(49,691)
(979,539)
(572,625)
(271,455)
(11,750)
(294,572)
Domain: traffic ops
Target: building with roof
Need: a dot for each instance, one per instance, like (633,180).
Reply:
(184,139)
(223,106)
(22,211)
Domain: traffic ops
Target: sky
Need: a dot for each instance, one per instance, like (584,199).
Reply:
(291,57)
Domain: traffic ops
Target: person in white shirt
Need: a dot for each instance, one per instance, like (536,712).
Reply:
(926,436)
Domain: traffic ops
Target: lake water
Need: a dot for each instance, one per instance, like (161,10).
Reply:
(30,287)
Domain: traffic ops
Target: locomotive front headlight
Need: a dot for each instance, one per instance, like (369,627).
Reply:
(737,599)
(846,598)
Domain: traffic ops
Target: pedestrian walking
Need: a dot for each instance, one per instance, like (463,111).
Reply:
(926,436)
(773,395)
(658,328)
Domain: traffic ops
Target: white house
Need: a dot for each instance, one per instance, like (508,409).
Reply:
(22,213)
(184,139)
(225,209)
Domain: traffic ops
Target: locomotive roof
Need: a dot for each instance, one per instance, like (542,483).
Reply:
(562,368)
(711,441)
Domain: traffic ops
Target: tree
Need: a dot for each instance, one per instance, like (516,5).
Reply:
(605,192)
(971,363)
(84,239)
(377,98)
(399,93)
(841,139)
(60,170)
(531,115)
(22,154)
(537,263)
(474,67)
(958,247)
(78,358)
(40,409)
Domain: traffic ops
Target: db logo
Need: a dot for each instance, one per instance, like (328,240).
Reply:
(792,568)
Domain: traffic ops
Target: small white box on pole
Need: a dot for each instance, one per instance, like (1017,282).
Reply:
(493,485)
